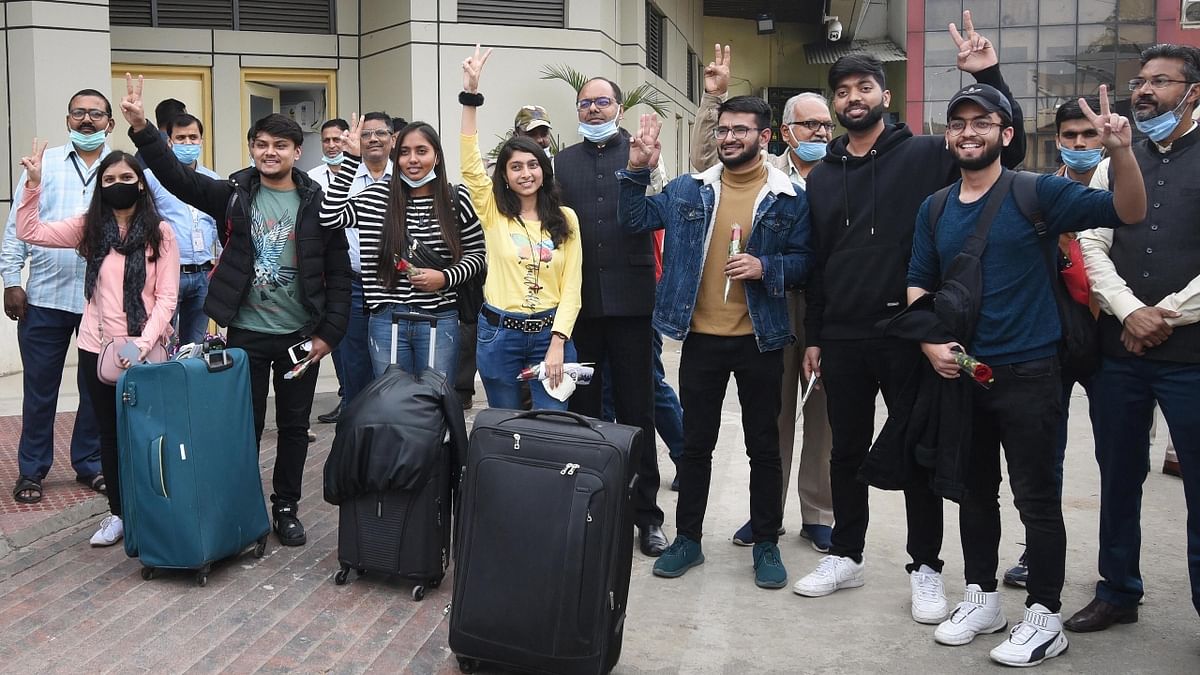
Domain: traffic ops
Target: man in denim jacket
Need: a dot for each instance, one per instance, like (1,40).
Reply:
(729,308)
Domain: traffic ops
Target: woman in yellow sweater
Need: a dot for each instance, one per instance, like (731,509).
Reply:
(535,264)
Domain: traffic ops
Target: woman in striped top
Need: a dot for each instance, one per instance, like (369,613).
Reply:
(535,263)
(416,208)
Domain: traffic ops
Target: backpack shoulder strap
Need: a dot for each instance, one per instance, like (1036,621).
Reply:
(1025,193)
(937,206)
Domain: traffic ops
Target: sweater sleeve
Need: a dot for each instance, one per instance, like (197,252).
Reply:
(337,211)
(476,179)
(166,288)
(31,230)
(923,268)
(570,299)
(472,261)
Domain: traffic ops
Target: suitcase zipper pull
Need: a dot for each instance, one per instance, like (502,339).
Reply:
(589,515)
(516,441)
(611,602)
(569,469)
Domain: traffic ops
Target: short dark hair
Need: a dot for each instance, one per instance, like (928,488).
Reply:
(857,63)
(1189,55)
(1071,111)
(184,120)
(336,122)
(91,92)
(398,123)
(615,88)
(382,117)
(277,125)
(748,104)
(167,110)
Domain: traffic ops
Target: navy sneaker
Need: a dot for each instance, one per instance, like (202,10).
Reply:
(745,536)
(1018,574)
(769,571)
(682,555)
(820,536)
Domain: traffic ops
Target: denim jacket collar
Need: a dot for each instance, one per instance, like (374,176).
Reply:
(777,181)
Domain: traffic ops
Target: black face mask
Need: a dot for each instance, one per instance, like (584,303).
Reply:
(120,195)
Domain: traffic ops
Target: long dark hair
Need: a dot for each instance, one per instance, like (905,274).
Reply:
(99,213)
(395,221)
(549,202)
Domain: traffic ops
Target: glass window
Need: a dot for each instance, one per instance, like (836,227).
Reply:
(938,13)
(1057,42)
(1056,78)
(1133,39)
(1097,42)
(1020,78)
(940,50)
(1029,110)
(1136,10)
(1097,11)
(1092,74)
(1019,13)
(984,14)
(1017,44)
(935,117)
(941,82)
(1057,12)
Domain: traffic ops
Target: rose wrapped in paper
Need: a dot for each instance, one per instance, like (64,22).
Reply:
(979,371)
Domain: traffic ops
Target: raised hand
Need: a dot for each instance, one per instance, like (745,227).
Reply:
(472,68)
(716,74)
(975,52)
(131,105)
(32,164)
(352,139)
(1115,130)
(645,148)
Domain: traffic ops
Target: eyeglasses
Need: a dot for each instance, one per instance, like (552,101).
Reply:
(375,133)
(978,125)
(1155,82)
(813,125)
(601,102)
(94,114)
(739,132)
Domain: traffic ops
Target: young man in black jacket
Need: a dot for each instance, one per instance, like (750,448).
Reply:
(864,198)
(282,284)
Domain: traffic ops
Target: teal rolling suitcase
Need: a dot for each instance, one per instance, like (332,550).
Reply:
(190,486)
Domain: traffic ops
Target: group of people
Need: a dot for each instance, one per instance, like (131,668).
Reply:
(836,264)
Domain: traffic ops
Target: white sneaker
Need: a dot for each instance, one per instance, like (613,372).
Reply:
(1039,636)
(928,596)
(834,572)
(111,531)
(979,612)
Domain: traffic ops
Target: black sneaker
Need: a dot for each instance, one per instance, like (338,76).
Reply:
(287,525)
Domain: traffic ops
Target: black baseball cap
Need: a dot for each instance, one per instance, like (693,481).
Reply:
(986,96)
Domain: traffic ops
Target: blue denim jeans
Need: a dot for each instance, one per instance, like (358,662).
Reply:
(191,323)
(1122,399)
(501,353)
(44,336)
(412,350)
(351,358)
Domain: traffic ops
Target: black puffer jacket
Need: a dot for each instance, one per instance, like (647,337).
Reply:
(321,253)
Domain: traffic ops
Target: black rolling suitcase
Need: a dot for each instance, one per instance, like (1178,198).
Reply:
(545,543)
(394,458)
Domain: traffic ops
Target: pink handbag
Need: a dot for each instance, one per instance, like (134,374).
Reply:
(108,367)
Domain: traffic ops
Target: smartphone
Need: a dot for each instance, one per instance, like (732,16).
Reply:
(299,351)
(130,352)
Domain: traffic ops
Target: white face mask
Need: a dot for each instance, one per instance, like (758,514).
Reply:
(598,133)
(420,181)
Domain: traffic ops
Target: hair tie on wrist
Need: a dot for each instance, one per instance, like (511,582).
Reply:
(467,98)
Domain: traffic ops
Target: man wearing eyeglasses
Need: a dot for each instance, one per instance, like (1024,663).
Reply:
(1145,278)
(1017,332)
(806,128)
(618,291)
(48,314)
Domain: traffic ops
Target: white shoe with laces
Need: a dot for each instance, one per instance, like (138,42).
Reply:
(1039,636)
(979,612)
(833,573)
(928,596)
(112,529)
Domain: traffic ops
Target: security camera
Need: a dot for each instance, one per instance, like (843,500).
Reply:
(833,29)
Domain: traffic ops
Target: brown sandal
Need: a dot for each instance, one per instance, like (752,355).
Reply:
(27,490)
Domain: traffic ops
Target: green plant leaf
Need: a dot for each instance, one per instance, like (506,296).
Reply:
(565,73)
(643,94)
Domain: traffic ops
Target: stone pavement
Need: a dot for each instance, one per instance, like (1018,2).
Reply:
(66,607)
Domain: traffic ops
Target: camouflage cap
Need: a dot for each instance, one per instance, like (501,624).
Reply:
(530,117)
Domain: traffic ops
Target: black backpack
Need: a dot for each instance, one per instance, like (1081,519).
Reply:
(1079,350)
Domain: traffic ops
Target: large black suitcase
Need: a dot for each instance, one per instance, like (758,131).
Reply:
(545,543)
(394,458)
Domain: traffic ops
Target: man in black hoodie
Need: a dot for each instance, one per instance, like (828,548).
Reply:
(864,198)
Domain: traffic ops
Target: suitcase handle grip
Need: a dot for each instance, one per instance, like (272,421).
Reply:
(414,317)
(574,417)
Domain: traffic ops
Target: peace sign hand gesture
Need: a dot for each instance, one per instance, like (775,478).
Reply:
(33,164)
(352,140)
(975,52)
(645,148)
(131,105)
(472,68)
(1115,130)
(716,74)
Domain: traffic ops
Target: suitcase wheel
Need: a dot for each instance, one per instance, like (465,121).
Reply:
(467,665)
(147,573)
(418,593)
(434,583)
(201,579)
(260,548)
(339,577)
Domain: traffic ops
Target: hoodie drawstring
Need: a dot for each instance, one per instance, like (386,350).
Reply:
(873,203)
(845,191)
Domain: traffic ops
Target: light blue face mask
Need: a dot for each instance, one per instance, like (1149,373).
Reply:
(1158,128)
(88,142)
(810,151)
(336,159)
(187,154)
(1080,161)
(419,182)
(598,133)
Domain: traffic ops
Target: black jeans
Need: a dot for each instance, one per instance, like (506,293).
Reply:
(704,368)
(104,403)
(269,362)
(1022,411)
(854,372)
(625,342)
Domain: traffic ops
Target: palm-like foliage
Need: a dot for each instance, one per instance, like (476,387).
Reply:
(643,94)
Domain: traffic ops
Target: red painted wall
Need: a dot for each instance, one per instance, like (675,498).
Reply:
(1168,29)
(914,110)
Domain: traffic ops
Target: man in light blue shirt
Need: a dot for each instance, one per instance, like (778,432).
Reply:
(195,231)
(48,310)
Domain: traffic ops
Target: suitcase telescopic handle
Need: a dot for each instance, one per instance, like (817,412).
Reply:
(413,317)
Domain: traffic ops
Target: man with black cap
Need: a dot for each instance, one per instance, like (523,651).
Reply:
(1017,333)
